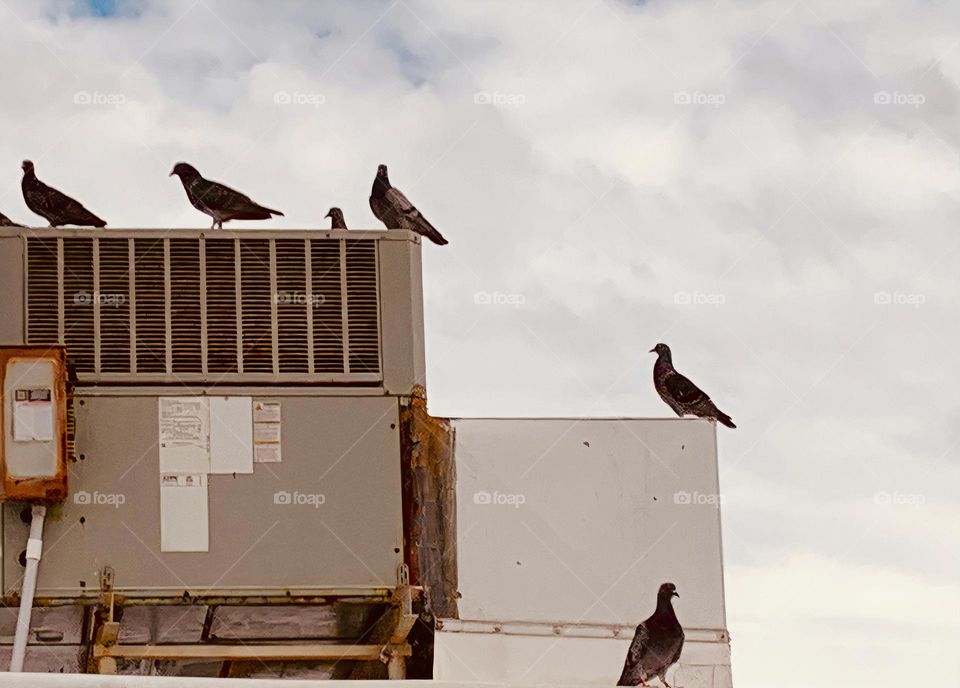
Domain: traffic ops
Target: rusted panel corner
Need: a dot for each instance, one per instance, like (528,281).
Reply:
(429,504)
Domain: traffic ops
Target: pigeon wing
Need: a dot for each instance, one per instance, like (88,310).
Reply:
(411,218)
(694,400)
(218,196)
(633,664)
(676,655)
(229,203)
(58,208)
(683,391)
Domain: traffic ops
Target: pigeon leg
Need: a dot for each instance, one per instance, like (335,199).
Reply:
(663,680)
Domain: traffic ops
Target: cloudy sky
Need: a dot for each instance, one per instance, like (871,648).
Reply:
(772,188)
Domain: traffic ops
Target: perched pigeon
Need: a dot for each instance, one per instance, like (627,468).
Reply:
(7,222)
(684,397)
(218,201)
(656,645)
(56,208)
(392,208)
(336,219)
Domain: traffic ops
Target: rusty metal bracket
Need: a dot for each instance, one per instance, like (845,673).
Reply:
(106,631)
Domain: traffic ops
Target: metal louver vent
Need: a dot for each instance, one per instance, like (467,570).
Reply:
(137,307)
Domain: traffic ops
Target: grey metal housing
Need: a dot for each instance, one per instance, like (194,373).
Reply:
(203,312)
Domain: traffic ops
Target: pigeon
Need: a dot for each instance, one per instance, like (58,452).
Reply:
(392,208)
(218,201)
(679,393)
(56,208)
(336,219)
(656,645)
(7,222)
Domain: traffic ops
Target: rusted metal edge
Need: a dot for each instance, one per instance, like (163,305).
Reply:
(429,503)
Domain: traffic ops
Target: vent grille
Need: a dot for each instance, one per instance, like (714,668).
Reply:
(168,310)
(115,303)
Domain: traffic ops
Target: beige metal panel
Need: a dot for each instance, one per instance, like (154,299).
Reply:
(401,313)
(580,520)
(12,288)
(345,449)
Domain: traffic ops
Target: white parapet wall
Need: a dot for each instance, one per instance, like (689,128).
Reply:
(566,528)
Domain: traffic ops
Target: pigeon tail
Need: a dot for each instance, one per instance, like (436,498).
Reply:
(725,419)
(435,236)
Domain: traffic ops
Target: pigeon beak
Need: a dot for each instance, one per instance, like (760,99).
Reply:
(327,215)
(652,351)
(676,594)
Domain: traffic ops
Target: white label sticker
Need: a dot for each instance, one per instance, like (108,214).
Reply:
(183,422)
(266,431)
(231,435)
(266,411)
(33,414)
(184,513)
(266,453)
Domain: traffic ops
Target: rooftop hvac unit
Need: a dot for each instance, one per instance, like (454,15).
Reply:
(231,428)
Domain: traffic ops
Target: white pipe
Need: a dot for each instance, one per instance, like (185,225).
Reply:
(29,587)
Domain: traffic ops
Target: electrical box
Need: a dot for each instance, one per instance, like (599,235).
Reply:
(33,449)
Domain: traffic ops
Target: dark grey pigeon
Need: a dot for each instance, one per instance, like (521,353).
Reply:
(7,222)
(56,208)
(684,397)
(217,200)
(656,645)
(336,219)
(392,208)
